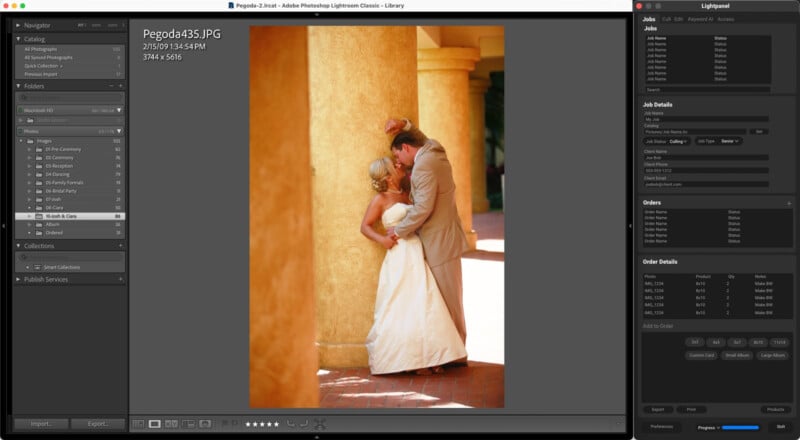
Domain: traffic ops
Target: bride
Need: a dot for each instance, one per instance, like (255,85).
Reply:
(413,330)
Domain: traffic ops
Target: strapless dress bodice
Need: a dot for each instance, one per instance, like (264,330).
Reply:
(392,216)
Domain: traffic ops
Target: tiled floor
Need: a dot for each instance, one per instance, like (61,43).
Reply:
(480,384)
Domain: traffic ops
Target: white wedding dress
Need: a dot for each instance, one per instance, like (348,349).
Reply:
(412,327)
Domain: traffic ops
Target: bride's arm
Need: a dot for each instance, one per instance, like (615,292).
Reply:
(374,211)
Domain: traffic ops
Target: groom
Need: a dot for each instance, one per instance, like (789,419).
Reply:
(433,215)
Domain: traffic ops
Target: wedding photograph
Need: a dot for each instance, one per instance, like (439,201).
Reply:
(377,217)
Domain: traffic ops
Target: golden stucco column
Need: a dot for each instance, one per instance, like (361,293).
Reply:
(444,115)
(359,77)
(283,354)
(477,135)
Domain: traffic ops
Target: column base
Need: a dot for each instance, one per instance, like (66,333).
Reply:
(343,355)
(472,239)
(479,206)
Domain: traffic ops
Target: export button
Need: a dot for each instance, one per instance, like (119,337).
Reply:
(658,409)
(98,424)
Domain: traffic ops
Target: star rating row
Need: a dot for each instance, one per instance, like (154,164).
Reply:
(261,424)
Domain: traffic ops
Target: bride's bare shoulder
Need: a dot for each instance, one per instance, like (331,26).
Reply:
(380,200)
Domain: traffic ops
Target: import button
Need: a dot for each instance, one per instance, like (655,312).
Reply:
(41,424)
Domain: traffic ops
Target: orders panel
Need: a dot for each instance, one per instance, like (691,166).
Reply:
(715,226)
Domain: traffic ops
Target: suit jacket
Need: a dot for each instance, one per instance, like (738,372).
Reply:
(434,216)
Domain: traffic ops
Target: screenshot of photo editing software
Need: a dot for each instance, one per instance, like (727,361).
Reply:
(473,219)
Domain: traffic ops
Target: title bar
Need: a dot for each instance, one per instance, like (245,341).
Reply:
(317,6)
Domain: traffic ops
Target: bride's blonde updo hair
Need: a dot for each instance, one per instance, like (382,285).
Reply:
(379,170)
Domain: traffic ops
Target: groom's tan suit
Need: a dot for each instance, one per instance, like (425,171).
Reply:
(434,218)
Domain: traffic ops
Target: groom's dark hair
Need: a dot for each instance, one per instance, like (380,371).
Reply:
(413,137)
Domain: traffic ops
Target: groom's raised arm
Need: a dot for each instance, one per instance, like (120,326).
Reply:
(425,189)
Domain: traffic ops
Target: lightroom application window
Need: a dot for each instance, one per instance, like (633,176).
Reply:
(341,220)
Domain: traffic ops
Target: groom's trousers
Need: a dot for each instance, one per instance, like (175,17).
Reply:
(448,277)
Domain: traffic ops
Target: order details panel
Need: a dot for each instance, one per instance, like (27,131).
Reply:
(715,219)
(69,296)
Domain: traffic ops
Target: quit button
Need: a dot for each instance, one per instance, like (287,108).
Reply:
(780,427)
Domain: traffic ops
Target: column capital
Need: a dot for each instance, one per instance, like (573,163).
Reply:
(479,86)
(448,58)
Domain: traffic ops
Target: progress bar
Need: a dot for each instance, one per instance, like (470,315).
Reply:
(740,427)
